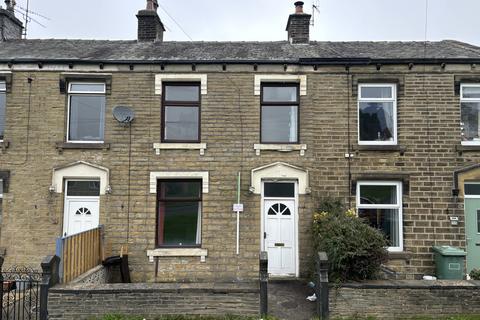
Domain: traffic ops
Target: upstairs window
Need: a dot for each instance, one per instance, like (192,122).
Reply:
(470,110)
(181,112)
(86,112)
(279,113)
(3,100)
(380,204)
(179,213)
(377,114)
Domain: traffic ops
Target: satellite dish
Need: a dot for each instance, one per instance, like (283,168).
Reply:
(123,114)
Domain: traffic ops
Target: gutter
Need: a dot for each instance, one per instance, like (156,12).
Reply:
(300,61)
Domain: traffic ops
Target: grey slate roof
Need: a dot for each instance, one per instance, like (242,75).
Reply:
(281,51)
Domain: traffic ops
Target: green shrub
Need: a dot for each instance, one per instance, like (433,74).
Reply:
(475,274)
(355,250)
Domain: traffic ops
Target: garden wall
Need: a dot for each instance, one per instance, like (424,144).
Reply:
(404,299)
(84,301)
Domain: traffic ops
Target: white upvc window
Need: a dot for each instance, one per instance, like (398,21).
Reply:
(86,112)
(470,113)
(3,103)
(377,114)
(380,204)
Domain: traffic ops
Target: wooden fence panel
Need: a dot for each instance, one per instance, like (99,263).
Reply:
(80,253)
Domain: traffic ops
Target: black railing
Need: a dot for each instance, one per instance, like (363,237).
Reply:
(24,290)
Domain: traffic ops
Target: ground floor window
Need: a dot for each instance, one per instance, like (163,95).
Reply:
(380,204)
(179,213)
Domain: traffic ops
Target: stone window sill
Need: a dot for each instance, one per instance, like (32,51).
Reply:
(180,146)
(280,147)
(467,148)
(60,146)
(404,255)
(393,148)
(178,252)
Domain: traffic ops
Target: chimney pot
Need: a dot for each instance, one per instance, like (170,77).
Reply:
(299,7)
(152,5)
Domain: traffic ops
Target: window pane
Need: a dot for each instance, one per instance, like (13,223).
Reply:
(1,188)
(376,121)
(470,121)
(88,87)
(279,124)
(281,190)
(182,93)
(387,220)
(472,189)
(87,116)
(3,86)
(180,223)
(471,92)
(277,94)
(478,221)
(371,194)
(83,188)
(181,189)
(2,114)
(376,92)
(181,123)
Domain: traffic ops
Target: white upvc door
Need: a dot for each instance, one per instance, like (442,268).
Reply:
(81,213)
(280,236)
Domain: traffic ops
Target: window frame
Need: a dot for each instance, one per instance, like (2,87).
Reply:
(178,103)
(4,91)
(280,104)
(81,93)
(393,99)
(467,100)
(159,199)
(398,206)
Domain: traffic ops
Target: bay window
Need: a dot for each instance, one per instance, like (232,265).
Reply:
(380,204)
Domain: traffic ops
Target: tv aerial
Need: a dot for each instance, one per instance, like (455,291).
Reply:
(123,114)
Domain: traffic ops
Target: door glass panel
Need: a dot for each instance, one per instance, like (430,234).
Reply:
(279,189)
(378,194)
(472,189)
(83,188)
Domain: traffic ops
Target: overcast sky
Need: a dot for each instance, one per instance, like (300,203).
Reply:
(264,20)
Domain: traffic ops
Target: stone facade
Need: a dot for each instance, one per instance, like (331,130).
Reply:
(428,134)
(151,300)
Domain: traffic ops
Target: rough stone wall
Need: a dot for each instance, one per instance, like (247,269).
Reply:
(152,300)
(428,129)
(403,301)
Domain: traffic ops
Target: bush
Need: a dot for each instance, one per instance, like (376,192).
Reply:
(355,250)
(475,274)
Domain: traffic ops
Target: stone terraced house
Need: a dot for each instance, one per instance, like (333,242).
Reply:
(391,128)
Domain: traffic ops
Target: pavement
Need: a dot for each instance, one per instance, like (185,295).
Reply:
(287,300)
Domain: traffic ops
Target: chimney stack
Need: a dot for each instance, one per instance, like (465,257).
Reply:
(150,27)
(10,27)
(298,26)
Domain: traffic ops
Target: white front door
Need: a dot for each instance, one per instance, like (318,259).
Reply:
(82,206)
(280,235)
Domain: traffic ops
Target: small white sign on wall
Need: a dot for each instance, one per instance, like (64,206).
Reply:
(238,207)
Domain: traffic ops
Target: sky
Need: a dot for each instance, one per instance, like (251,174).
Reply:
(259,20)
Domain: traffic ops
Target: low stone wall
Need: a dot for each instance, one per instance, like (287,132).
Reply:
(87,301)
(405,299)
